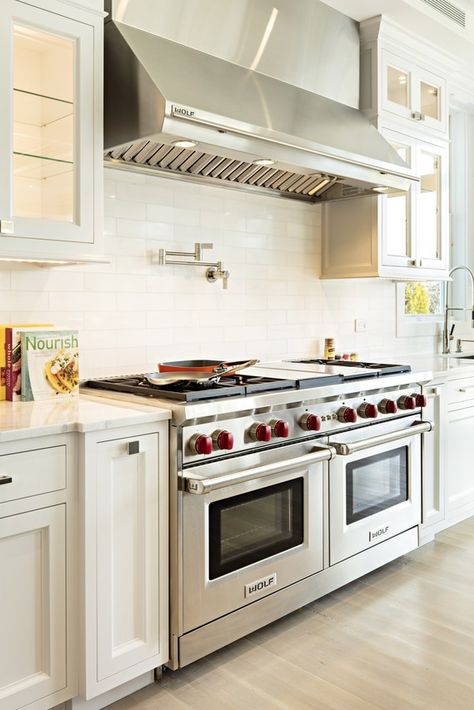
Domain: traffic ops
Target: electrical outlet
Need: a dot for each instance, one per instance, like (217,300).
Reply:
(360,325)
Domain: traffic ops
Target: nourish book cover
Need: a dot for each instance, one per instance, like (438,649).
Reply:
(50,364)
(10,358)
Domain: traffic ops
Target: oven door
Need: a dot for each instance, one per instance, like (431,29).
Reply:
(251,526)
(374,485)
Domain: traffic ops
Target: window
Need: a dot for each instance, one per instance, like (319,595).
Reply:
(419,307)
(423,298)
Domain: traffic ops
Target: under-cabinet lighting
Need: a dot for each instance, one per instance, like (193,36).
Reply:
(33,261)
(263,161)
(380,189)
(184,144)
(319,186)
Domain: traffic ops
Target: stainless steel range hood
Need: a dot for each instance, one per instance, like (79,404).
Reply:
(244,127)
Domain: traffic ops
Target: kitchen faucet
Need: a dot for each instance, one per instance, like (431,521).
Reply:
(448,336)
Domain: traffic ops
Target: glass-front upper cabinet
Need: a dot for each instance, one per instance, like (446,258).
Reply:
(415,224)
(47,136)
(398,235)
(413,93)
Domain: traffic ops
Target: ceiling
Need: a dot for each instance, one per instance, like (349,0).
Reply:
(419,18)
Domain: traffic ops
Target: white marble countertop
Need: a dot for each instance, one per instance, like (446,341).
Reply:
(440,365)
(21,420)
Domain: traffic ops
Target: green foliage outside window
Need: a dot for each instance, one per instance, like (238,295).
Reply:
(422,298)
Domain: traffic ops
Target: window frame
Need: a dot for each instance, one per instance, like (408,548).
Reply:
(417,325)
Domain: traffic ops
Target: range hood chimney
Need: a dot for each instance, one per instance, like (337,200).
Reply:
(177,110)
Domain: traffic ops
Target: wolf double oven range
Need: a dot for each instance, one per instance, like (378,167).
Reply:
(286,484)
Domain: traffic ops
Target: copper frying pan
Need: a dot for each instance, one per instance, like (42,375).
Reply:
(169,378)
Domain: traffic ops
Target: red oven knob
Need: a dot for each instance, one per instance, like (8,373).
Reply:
(260,432)
(310,422)
(406,402)
(347,415)
(368,410)
(280,428)
(420,400)
(201,444)
(388,406)
(223,439)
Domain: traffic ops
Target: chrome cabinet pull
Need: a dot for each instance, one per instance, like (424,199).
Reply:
(345,449)
(201,486)
(466,389)
(5,479)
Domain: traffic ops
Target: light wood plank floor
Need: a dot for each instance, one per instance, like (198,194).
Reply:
(401,637)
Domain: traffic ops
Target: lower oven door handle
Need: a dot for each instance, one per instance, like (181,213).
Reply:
(200,486)
(355,446)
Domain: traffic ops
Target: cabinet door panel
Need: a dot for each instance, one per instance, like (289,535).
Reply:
(459,470)
(397,211)
(397,85)
(432,206)
(431,100)
(49,131)
(32,606)
(128,595)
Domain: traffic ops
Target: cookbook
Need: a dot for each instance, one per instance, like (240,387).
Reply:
(10,358)
(49,364)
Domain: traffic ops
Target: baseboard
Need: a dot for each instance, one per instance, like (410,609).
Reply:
(111,696)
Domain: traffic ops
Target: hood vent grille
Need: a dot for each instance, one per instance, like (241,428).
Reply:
(449,10)
(185,161)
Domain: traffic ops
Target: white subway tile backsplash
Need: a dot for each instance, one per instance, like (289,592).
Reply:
(133,313)
(24,300)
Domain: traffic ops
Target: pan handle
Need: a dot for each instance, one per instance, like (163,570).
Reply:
(230,369)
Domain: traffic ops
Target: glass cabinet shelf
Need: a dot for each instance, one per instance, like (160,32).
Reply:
(39,110)
(39,167)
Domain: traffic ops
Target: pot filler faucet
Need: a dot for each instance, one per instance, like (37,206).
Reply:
(447,337)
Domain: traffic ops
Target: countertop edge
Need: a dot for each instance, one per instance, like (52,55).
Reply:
(24,420)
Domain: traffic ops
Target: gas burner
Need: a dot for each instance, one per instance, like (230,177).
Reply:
(231,386)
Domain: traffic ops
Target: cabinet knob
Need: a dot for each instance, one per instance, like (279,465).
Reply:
(5,479)
(133,447)
(418,116)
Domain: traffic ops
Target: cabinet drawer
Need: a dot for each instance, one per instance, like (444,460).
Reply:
(32,473)
(460,390)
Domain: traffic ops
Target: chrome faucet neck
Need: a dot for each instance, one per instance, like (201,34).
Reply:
(447,308)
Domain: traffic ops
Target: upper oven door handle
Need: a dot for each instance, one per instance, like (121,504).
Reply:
(200,486)
(345,449)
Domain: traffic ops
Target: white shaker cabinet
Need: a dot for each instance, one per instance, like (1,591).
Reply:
(125,543)
(459,471)
(398,235)
(50,131)
(37,562)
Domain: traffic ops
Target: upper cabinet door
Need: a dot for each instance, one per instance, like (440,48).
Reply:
(397,85)
(432,206)
(397,212)
(48,144)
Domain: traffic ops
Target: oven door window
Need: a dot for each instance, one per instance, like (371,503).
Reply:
(250,527)
(376,483)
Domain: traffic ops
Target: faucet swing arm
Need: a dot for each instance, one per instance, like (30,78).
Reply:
(447,337)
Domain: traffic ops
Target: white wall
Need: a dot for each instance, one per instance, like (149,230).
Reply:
(132,313)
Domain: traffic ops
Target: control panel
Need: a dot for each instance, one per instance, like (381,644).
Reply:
(248,432)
